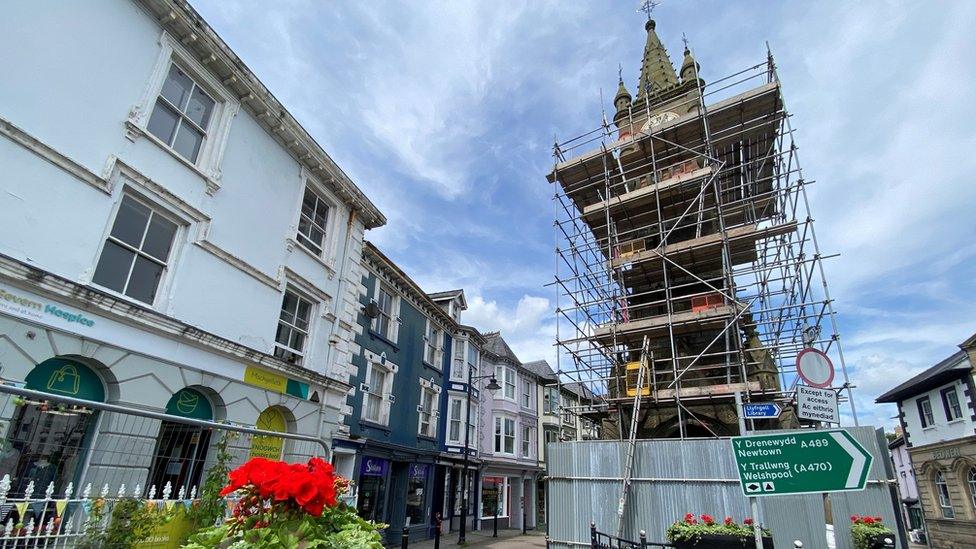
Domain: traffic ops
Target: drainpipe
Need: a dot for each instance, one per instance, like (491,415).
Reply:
(341,271)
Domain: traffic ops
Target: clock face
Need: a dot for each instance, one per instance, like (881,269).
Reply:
(660,118)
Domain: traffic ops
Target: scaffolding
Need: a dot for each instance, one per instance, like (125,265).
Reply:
(685,223)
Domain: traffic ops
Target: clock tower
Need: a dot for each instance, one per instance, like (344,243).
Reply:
(662,96)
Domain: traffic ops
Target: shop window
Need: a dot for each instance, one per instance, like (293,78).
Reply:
(942,491)
(494,497)
(417,501)
(47,439)
(136,252)
(181,449)
(373,474)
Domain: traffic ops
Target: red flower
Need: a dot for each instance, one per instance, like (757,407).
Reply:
(747,521)
(690,518)
(868,520)
(707,519)
(854,518)
(309,487)
(728,521)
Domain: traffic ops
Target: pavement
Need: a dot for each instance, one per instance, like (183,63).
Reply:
(507,539)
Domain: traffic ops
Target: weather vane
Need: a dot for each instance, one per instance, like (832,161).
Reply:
(647,6)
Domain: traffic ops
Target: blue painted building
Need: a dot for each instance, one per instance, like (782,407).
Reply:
(392,443)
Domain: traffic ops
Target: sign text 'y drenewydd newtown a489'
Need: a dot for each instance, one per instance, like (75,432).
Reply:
(800,462)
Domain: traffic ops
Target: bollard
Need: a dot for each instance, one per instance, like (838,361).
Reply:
(593,535)
(643,539)
(437,531)
(547,542)
(494,527)
(523,521)
(405,538)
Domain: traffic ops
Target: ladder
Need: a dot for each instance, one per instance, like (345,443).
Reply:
(632,439)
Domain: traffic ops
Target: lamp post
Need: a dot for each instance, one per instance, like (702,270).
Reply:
(492,386)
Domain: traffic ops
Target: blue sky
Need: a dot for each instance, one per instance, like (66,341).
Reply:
(444,113)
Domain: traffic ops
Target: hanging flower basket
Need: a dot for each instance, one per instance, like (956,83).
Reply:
(705,533)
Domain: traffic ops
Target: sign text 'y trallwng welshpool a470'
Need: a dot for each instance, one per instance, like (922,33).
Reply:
(800,462)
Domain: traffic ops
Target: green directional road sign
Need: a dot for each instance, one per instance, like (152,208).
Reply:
(800,462)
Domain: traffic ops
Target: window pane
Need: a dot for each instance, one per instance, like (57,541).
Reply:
(159,237)
(289,304)
(304,307)
(200,108)
(297,340)
(144,280)
(130,222)
(163,122)
(113,267)
(321,214)
(188,141)
(283,333)
(177,87)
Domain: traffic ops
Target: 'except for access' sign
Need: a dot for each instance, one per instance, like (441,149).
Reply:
(817,404)
(761,410)
(800,462)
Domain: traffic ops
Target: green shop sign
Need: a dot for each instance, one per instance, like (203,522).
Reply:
(800,462)
(64,376)
(189,403)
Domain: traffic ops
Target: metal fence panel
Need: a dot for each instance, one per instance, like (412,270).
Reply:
(672,477)
(61,456)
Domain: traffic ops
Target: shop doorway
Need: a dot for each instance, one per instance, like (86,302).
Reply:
(47,440)
(373,480)
(181,449)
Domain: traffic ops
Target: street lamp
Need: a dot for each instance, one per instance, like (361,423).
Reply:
(492,386)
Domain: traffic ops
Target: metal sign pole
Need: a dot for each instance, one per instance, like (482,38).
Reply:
(753,502)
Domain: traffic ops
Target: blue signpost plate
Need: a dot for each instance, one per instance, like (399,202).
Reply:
(761,410)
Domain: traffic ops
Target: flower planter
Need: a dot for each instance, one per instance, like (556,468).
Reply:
(877,541)
(716,541)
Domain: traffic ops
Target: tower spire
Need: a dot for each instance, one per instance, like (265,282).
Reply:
(657,72)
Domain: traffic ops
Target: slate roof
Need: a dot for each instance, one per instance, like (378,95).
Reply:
(950,369)
(540,368)
(496,345)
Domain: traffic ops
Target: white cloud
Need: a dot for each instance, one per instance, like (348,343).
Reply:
(529,327)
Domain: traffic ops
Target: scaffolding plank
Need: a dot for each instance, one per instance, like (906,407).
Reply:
(657,326)
(706,249)
(645,195)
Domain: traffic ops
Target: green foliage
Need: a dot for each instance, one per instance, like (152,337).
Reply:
(691,529)
(864,533)
(130,523)
(211,506)
(339,527)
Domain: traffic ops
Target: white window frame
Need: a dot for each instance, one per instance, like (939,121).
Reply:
(433,414)
(312,310)
(393,327)
(226,106)
(459,420)
(527,391)
(525,444)
(458,361)
(433,345)
(508,379)
(500,436)
(471,351)
(944,499)
(950,408)
(304,240)
(385,393)
(550,398)
(926,416)
(178,237)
